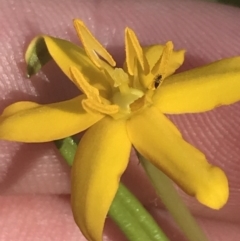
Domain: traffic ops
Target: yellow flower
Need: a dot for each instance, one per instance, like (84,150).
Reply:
(121,107)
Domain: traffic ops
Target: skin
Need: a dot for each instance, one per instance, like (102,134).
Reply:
(34,179)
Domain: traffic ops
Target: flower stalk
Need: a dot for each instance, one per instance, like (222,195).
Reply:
(173,202)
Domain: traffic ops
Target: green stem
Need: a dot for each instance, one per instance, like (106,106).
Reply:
(126,211)
(67,148)
(173,202)
(138,223)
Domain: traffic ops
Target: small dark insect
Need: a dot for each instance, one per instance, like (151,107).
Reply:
(157,80)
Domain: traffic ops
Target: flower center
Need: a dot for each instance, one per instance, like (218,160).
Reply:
(131,90)
(124,100)
(123,94)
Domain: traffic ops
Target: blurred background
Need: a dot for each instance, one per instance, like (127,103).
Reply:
(230,2)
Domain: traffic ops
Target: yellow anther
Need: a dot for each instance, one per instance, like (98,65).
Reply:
(92,106)
(92,47)
(93,103)
(79,80)
(162,65)
(134,50)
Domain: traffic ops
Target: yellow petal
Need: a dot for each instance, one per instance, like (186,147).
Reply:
(31,122)
(200,89)
(66,54)
(101,159)
(91,45)
(158,141)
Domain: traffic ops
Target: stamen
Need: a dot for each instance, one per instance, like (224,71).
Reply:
(92,106)
(79,80)
(134,50)
(92,47)
(161,67)
(134,80)
(93,103)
